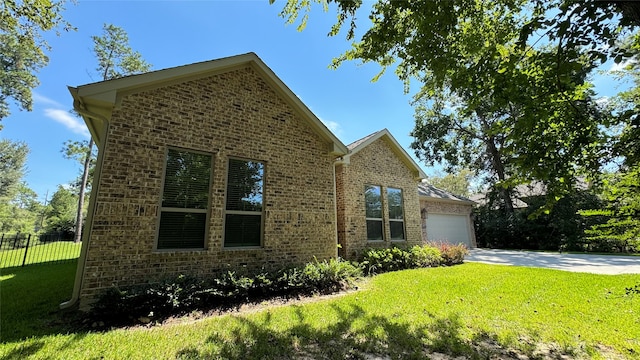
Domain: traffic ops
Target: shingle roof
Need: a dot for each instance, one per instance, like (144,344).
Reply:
(430,191)
(356,143)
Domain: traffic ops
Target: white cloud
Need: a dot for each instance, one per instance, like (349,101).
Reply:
(603,101)
(621,66)
(69,121)
(39,98)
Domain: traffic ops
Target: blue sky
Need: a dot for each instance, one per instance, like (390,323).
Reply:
(172,33)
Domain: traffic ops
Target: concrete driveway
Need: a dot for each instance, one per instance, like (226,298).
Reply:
(597,264)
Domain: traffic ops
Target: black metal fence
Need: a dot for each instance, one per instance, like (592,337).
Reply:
(24,249)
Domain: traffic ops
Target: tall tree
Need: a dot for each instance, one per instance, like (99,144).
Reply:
(22,48)
(21,212)
(116,59)
(17,201)
(13,156)
(457,183)
(512,70)
(61,211)
(621,190)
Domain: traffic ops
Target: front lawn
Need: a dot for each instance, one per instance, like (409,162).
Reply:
(473,310)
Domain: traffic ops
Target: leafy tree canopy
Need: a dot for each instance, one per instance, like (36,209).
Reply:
(13,156)
(22,48)
(504,86)
(458,183)
(115,56)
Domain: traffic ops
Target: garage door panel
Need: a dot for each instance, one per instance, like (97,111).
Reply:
(452,229)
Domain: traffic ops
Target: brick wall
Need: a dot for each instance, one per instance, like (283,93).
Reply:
(234,114)
(376,164)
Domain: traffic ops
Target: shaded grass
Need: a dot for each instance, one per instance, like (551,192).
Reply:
(30,297)
(474,310)
(41,253)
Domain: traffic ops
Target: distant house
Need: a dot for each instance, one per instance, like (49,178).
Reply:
(218,165)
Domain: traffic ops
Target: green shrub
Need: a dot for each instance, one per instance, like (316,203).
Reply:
(377,261)
(425,256)
(452,254)
(174,296)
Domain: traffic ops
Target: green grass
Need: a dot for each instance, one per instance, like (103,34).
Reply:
(30,297)
(54,251)
(472,310)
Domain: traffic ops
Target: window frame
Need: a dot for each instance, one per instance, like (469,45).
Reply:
(243,212)
(404,230)
(206,211)
(380,219)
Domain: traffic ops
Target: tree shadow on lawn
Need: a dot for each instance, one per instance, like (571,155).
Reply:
(353,334)
(30,298)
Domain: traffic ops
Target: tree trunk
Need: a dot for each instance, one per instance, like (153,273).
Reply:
(498,166)
(83,185)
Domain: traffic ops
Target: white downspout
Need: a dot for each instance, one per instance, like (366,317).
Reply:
(86,235)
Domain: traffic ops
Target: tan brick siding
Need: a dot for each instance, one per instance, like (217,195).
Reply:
(442,207)
(234,114)
(376,164)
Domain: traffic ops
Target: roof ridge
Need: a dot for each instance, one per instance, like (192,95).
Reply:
(356,143)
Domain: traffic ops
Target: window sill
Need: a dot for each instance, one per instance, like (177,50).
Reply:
(375,241)
(182,251)
(240,248)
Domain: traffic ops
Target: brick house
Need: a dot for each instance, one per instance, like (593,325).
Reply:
(219,165)
(200,168)
(378,202)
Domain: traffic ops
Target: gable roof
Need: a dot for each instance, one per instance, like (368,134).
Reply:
(430,191)
(96,101)
(384,134)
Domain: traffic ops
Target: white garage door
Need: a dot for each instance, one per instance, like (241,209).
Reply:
(452,229)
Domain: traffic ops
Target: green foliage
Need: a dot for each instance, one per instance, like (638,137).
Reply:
(504,88)
(115,57)
(158,300)
(13,156)
(22,213)
(563,228)
(458,183)
(19,206)
(22,48)
(621,231)
(425,256)
(377,261)
(61,211)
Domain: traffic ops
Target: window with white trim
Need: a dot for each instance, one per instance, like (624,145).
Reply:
(244,205)
(185,200)
(373,204)
(396,213)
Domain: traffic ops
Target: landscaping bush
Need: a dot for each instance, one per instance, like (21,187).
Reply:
(174,296)
(452,254)
(377,261)
(425,256)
